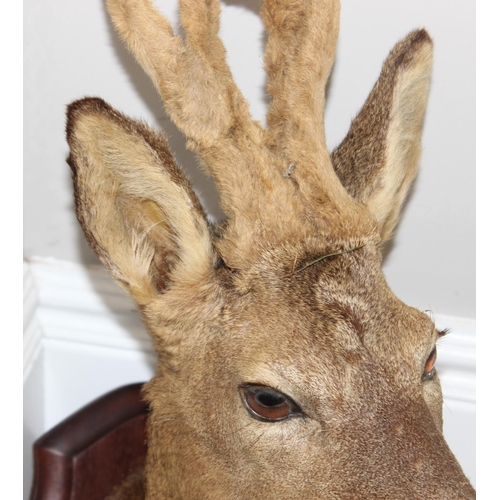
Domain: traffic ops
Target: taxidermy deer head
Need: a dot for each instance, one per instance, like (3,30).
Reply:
(286,366)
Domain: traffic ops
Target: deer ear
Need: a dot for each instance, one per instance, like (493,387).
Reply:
(137,210)
(378,160)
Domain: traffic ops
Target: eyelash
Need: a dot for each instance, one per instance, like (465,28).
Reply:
(442,333)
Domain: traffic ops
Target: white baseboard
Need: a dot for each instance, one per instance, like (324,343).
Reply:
(32,331)
(83,304)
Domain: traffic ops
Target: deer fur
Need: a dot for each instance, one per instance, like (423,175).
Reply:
(288,292)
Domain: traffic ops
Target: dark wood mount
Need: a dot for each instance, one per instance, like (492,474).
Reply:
(87,455)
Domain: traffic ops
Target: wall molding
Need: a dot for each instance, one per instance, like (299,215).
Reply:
(82,304)
(457,358)
(32,330)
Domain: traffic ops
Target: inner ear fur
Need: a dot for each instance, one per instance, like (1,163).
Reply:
(378,160)
(137,209)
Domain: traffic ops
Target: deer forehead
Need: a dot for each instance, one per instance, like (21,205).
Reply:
(332,317)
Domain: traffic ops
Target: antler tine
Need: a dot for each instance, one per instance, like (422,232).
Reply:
(302,37)
(196,86)
(299,57)
(200,21)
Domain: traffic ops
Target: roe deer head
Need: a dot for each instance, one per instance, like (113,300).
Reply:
(286,366)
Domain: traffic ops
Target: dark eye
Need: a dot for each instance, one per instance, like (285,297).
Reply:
(429,369)
(267,404)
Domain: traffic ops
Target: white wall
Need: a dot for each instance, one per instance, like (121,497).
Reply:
(70,51)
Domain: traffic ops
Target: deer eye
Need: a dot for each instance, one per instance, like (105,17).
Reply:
(267,404)
(429,369)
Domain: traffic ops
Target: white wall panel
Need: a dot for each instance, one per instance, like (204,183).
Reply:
(34,400)
(77,373)
(460,432)
(33,376)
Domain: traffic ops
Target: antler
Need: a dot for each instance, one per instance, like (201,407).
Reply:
(191,75)
(264,177)
(299,57)
(198,91)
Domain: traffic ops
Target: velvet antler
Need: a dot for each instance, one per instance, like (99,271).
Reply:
(269,182)
(299,57)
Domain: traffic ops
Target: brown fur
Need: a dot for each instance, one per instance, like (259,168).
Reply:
(252,301)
